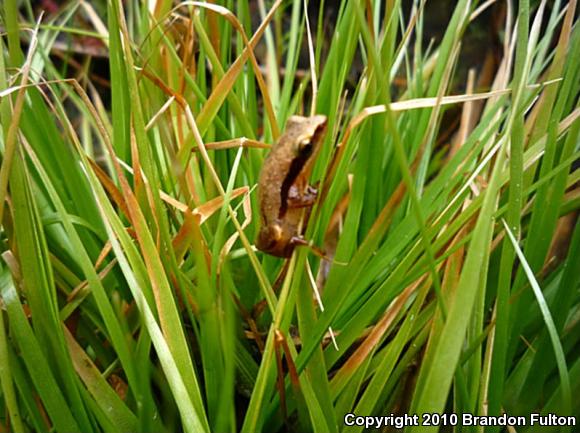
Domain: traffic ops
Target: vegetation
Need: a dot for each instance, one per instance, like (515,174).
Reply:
(131,297)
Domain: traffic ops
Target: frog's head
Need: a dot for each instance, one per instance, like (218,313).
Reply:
(307,134)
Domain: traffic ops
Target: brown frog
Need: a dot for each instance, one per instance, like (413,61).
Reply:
(283,189)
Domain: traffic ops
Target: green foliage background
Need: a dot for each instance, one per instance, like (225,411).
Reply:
(130,291)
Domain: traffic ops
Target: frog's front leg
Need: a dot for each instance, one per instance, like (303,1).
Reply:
(306,198)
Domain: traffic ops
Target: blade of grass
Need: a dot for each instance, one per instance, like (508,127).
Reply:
(438,374)
(37,366)
(549,322)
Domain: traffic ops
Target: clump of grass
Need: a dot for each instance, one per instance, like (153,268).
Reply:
(131,296)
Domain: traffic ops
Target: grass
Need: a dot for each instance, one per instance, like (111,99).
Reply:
(131,297)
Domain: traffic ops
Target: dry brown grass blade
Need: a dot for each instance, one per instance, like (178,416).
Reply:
(86,369)
(247,208)
(281,345)
(369,17)
(235,143)
(207,209)
(254,333)
(103,254)
(79,290)
(278,339)
(292,371)
(143,191)
(385,217)
(110,187)
(185,236)
(539,124)
(204,210)
(200,246)
(467,119)
(454,263)
(12,133)
(249,47)
(199,215)
(226,83)
(147,73)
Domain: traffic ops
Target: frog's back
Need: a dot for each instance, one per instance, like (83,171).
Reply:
(272,175)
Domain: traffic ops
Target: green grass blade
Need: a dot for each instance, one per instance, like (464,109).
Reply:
(549,322)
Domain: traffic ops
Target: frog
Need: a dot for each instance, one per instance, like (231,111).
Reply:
(284,191)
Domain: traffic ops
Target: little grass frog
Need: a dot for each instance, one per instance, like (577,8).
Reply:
(283,188)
